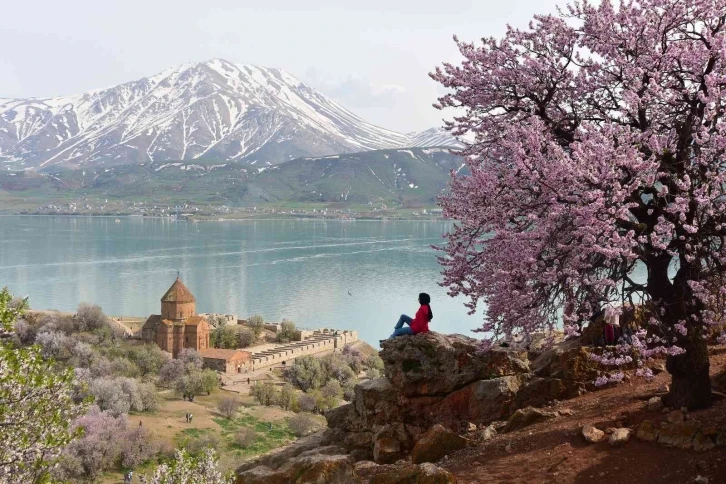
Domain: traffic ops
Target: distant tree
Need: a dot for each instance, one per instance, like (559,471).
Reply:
(229,406)
(264,393)
(107,442)
(245,337)
(190,356)
(137,447)
(149,358)
(256,324)
(36,405)
(336,366)
(171,372)
(186,469)
(190,385)
(207,440)
(374,362)
(302,424)
(210,381)
(224,336)
(287,398)
(55,344)
(245,437)
(25,332)
(90,317)
(332,390)
(121,395)
(306,402)
(354,357)
(287,331)
(82,355)
(307,372)
(100,447)
(122,366)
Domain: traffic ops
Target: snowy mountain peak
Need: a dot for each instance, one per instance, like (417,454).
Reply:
(434,137)
(215,109)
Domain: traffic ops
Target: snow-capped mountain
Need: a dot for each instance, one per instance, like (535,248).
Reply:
(434,137)
(214,109)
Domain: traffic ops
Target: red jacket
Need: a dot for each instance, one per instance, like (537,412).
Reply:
(420,323)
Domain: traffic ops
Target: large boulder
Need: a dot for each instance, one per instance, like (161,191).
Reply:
(482,401)
(679,434)
(386,450)
(304,469)
(525,417)
(426,473)
(433,364)
(437,442)
(570,363)
(377,397)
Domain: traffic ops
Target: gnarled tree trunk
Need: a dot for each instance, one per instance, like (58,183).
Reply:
(691,383)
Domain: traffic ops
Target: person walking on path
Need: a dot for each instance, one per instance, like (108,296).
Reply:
(417,324)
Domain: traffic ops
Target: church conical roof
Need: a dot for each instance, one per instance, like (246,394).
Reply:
(178,292)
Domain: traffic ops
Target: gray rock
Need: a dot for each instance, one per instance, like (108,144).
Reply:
(525,417)
(433,364)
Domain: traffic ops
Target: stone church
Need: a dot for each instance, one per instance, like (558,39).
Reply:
(178,326)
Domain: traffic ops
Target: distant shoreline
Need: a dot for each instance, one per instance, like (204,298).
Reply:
(232,219)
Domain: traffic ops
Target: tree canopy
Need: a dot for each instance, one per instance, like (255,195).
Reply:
(597,151)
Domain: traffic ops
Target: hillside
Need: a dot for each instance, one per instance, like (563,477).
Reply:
(394,176)
(214,109)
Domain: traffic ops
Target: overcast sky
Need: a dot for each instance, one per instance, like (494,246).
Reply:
(373,57)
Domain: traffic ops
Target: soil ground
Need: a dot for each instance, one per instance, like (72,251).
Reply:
(555,451)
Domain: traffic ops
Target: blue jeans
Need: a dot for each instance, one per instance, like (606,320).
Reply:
(400,329)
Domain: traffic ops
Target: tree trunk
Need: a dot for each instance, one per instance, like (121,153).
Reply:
(691,383)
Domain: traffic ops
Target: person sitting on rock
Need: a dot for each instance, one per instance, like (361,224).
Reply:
(420,323)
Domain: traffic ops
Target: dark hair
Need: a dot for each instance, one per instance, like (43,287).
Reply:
(425,300)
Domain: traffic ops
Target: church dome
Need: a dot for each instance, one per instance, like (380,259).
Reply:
(178,293)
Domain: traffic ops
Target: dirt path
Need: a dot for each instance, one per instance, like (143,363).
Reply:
(555,451)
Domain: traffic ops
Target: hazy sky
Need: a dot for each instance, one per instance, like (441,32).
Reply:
(373,57)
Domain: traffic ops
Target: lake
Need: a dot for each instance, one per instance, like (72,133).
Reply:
(302,270)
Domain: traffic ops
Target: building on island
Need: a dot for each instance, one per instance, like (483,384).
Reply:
(227,361)
(178,326)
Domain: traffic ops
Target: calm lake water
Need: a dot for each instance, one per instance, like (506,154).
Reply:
(296,269)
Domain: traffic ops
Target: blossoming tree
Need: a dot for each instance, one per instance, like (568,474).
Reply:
(36,405)
(597,156)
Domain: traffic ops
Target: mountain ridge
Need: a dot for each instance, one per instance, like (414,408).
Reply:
(231,112)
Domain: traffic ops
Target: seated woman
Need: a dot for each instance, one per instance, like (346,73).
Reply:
(420,323)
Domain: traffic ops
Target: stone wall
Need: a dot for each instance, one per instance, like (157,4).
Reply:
(321,341)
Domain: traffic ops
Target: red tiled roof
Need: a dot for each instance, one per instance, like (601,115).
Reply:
(195,320)
(178,292)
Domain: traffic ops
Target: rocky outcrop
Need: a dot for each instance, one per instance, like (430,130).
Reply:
(434,379)
(433,364)
(305,468)
(407,473)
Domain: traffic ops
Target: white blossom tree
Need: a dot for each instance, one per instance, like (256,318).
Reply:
(186,469)
(36,405)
